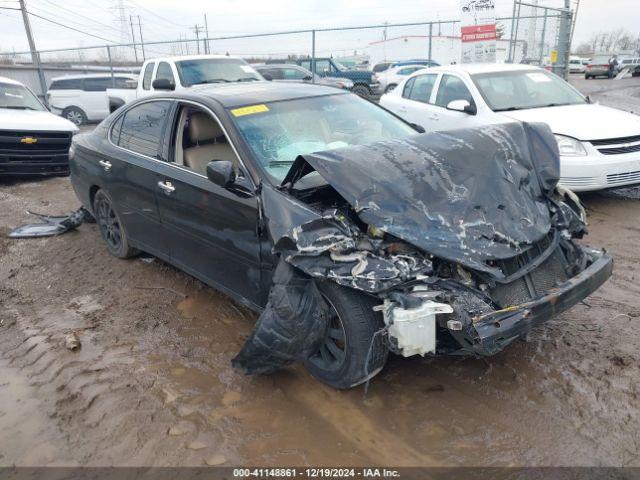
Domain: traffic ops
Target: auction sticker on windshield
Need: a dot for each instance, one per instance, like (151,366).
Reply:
(250,110)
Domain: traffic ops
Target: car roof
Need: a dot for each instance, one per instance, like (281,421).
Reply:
(10,80)
(249,93)
(276,65)
(473,68)
(177,58)
(95,75)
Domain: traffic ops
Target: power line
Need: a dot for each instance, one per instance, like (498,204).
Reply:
(71,28)
(151,12)
(72,12)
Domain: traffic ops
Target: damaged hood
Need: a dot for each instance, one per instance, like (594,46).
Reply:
(469,196)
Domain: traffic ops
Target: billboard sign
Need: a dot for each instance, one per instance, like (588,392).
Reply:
(478,31)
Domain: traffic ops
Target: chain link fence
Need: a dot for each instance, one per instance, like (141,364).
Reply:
(530,36)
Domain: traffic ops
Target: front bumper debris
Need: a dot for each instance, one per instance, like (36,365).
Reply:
(495,330)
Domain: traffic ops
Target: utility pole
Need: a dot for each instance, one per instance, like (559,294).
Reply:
(35,55)
(133,38)
(207,47)
(564,41)
(144,57)
(197,29)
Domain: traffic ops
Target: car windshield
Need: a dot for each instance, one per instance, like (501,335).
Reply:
(215,70)
(520,90)
(278,132)
(18,97)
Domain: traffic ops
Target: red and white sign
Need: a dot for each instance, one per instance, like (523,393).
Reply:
(478,31)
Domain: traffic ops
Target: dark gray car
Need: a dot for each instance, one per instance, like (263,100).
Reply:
(295,73)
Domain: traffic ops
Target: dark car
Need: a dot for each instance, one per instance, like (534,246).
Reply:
(288,72)
(363,83)
(351,234)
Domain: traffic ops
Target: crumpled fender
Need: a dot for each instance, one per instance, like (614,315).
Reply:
(291,327)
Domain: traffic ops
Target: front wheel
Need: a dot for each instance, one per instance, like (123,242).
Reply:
(361,90)
(75,115)
(111,228)
(353,350)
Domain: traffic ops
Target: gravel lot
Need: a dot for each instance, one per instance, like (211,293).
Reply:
(153,385)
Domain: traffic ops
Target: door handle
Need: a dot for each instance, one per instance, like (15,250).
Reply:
(167,187)
(402,109)
(435,116)
(105,164)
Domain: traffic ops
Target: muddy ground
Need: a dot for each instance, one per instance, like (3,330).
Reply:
(153,385)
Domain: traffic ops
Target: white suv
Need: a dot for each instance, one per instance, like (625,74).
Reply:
(83,98)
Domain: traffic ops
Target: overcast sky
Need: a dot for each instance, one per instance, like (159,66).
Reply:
(170,19)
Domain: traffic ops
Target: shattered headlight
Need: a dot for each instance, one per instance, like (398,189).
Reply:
(570,147)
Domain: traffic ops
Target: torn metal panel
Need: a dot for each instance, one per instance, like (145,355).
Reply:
(328,245)
(468,196)
(51,225)
(292,326)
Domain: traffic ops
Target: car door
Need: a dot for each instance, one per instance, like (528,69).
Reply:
(294,74)
(414,102)
(94,97)
(131,171)
(449,88)
(212,231)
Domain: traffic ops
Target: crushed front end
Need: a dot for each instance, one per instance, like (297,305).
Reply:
(464,238)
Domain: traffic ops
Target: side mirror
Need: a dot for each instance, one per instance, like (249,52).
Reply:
(418,128)
(221,173)
(267,76)
(462,106)
(163,84)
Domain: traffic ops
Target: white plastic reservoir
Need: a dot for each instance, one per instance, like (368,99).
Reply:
(415,329)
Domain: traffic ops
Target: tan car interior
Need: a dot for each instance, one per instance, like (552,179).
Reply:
(202,141)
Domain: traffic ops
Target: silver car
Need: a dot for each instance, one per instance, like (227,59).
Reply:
(287,72)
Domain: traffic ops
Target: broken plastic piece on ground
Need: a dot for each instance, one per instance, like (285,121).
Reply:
(292,326)
(52,225)
(72,342)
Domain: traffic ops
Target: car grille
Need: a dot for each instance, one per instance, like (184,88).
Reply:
(616,146)
(532,285)
(48,153)
(546,276)
(623,178)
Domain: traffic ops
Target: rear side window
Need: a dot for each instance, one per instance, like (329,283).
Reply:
(419,88)
(141,129)
(97,84)
(164,71)
(70,84)
(452,88)
(125,82)
(146,79)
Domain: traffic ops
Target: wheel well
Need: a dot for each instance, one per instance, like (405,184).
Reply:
(69,107)
(92,194)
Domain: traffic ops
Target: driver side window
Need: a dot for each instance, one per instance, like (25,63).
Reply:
(200,140)
(452,88)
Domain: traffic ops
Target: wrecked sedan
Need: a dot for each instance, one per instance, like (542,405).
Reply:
(351,233)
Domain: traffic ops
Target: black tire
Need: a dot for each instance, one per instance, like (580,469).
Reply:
(352,332)
(75,115)
(390,88)
(111,228)
(361,90)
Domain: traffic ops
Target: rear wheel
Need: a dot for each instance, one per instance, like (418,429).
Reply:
(111,228)
(352,352)
(75,115)
(361,90)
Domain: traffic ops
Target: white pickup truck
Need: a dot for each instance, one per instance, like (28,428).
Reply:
(179,73)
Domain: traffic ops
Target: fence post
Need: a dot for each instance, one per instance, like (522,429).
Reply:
(43,81)
(430,38)
(313,56)
(113,80)
(544,33)
(511,33)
